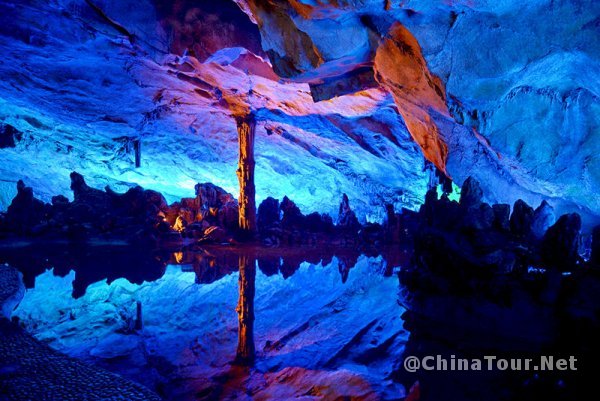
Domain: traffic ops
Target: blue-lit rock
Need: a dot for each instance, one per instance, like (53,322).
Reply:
(518,109)
(311,330)
(81,93)
(521,80)
(12,290)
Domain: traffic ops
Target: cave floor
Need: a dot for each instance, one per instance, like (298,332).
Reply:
(31,370)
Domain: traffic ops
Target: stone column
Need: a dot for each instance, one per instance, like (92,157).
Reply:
(245,172)
(245,310)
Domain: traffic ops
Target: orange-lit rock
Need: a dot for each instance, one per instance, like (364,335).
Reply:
(180,224)
(344,64)
(247,201)
(401,68)
(245,309)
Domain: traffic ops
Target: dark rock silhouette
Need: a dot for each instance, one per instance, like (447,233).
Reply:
(143,216)
(595,258)
(560,245)
(12,290)
(135,215)
(346,216)
(543,218)
(292,216)
(474,237)
(521,219)
(471,194)
(268,213)
(25,213)
(501,216)
(9,136)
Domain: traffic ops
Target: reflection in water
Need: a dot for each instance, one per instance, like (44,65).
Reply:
(357,324)
(510,317)
(245,310)
(189,337)
(94,263)
(90,263)
(211,263)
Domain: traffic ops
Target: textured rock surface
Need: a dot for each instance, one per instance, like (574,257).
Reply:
(473,235)
(137,215)
(12,290)
(30,370)
(560,245)
(506,92)
(82,90)
(520,82)
(313,333)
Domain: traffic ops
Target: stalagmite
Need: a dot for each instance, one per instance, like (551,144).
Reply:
(245,172)
(245,310)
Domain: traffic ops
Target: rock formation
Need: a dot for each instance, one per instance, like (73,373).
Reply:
(268,212)
(472,236)
(25,213)
(245,308)
(9,136)
(560,246)
(596,247)
(134,215)
(521,219)
(467,127)
(140,215)
(11,290)
(177,86)
(346,218)
(246,126)
(543,217)
(294,228)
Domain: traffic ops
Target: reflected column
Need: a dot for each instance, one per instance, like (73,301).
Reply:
(245,310)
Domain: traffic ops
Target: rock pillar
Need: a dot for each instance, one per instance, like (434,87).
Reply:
(245,173)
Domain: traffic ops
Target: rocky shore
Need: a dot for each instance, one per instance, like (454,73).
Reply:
(143,217)
(31,370)
(485,281)
(11,290)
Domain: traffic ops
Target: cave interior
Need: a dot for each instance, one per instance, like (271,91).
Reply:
(295,199)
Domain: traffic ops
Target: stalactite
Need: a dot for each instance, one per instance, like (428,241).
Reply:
(245,310)
(137,148)
(245,172)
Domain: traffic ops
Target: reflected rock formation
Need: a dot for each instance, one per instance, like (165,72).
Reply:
(245,352)
(452,144)
(210,356)
(90,263)
(486,284)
